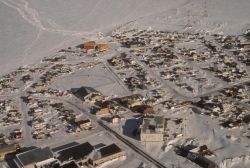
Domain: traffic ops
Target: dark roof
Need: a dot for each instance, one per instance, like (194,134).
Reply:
(76,152)
(150,125)
(1,137)
(110,150)
(82,91)
(59,148)
(196,158)
(144,109)
(246,119)
(34,156)
(70,165)
(83,121)
(56,165)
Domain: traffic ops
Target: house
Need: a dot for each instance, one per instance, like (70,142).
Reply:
(89,45)
(247,46)
(6,149)
(39,135)
(143,109)
(35,158)
(102,47)
(134,102)
(84,124)
(131,101)
(152,129)
(94,97)
(115,119)
(106,154)
(103,112)
(40,88)
(227,106)
(78,153)
(17,134)
(116,61)
(26,78)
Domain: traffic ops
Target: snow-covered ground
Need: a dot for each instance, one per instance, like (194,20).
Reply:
(32,29)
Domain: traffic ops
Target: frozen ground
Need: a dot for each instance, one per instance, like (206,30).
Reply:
(31,29)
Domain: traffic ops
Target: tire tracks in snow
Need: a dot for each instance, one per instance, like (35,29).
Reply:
(31,16)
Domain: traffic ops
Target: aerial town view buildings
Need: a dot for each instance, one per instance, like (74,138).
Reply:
(124,84)
(140,103)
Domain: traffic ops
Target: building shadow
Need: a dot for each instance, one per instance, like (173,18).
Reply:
(82,91)
(131,128)
(80,46)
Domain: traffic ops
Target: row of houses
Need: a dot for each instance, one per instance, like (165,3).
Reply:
(230,113)
(160,56)
(56,71)
(42,89)
(7,84)
(92,45)
(152,128)
(48,118)
(239,93)
(140,78)
(165,51)
(74,156)
(14,80)
(9,113)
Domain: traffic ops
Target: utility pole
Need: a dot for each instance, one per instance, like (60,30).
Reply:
(188,20)
(199,89)
(205,13)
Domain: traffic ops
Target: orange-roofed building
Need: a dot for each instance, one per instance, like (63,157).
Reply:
(102,47)
(89,45)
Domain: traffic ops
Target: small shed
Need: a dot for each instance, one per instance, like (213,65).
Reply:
(116,119)
(39,135)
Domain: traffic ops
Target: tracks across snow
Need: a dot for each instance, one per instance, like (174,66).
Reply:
(32,17)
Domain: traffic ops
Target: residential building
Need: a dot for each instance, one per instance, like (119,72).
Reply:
(103,112)
(152,129)
(102,47)
(89,45)
(143,109)
(116,119)
(106,154)
(84,124)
